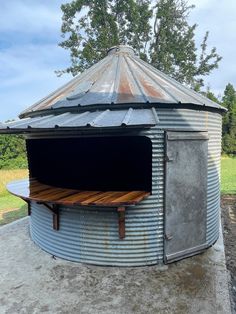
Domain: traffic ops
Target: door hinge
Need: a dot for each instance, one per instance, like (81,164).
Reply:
(168,159)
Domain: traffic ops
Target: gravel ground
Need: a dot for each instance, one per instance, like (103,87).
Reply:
(228,205)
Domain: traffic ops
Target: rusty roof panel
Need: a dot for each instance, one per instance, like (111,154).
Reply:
(121,78)
(96,119)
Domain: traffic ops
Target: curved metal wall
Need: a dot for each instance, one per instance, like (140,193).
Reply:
(91,235)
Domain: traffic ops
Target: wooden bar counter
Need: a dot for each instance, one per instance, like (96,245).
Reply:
(50,196)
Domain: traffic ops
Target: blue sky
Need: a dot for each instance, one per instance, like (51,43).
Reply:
(29,52)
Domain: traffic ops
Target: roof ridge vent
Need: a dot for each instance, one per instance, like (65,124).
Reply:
(121,49)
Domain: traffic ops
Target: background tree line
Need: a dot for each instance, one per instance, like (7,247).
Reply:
(228,100)
(12,152)
(160,33)
(229,121)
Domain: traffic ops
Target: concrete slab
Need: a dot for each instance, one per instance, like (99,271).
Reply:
(32,281)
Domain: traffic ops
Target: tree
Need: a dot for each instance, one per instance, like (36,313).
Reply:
(229,120)
(209,94)
(94,26)
(12,152)
(159,33)
(173,49)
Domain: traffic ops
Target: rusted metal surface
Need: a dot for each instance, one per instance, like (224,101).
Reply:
(54,209)
(28,207)
(121,78)
(56,217)
(121,214)
(97,119)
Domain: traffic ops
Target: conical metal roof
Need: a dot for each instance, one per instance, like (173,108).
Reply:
(120,79)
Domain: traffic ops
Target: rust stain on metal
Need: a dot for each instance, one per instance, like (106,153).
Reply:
(121,214)
(49,102)
(69,89)
(150,90)
(124,90)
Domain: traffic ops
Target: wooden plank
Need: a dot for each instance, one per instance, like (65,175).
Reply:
(77,198)
(108,198)
(94,199)
(51,191)
(57,196)
(130,197)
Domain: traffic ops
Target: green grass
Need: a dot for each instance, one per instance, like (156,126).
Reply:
(228,175)
(11,207)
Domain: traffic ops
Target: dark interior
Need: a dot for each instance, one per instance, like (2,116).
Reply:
(93,163)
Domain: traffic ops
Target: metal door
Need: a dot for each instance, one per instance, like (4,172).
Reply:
(185,194)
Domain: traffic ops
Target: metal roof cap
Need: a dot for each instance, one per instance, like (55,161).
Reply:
(121,49)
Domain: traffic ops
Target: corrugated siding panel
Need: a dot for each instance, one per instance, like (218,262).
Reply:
(91,235)
(96,119)
(199,120)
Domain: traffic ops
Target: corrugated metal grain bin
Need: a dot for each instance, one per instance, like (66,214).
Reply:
(124,166)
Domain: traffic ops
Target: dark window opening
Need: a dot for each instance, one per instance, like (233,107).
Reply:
(93,163)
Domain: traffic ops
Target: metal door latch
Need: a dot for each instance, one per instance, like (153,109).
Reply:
(168,236)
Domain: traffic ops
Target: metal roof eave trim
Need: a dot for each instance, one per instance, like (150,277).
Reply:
(63,129)
(192,106)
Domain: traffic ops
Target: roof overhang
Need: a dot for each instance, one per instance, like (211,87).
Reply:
(100,119)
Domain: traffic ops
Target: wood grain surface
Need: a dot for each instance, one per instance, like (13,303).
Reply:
(31,189)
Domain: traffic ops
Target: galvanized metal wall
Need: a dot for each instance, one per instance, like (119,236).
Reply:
(91,235)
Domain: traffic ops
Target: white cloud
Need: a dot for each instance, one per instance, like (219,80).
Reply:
(201,4)
(25,63)
(30,16)
(29,53)
(27,76)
